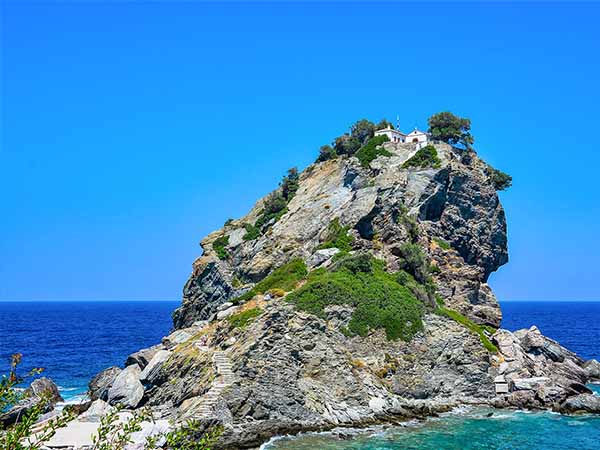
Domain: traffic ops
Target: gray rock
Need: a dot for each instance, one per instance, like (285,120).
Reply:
(97,410)
(584,403)
(524,384)
(227,312)
(224,306)
(143,357)
(127,390)
(592,369)
(321,256)
(41,389)
(102,382)
(152,371)
(176,338)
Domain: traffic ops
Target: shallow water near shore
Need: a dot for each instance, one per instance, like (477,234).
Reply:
(465,429)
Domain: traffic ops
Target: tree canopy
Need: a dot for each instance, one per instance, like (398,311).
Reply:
(451,129)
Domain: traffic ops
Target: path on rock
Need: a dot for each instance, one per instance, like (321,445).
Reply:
(226,377)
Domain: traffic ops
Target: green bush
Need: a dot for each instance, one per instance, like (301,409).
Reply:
(337,237)
(414,261)
(243,318)
(424,158)
(362,262)
(442,243)
(470,325)
(252,232)
(499,179)
(372,150)
(285,277)
(379,301)
(346,145)
(219,245)
(290,184)
(326,152)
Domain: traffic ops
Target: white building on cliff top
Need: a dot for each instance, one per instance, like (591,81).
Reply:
(415,137)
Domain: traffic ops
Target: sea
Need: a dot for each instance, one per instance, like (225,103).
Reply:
(73,341)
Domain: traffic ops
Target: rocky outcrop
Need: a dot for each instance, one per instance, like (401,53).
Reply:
(126,389)
(99,385)
(41,391)
(259,366)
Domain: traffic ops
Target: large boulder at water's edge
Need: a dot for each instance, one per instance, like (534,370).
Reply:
(102,382)
(127,390)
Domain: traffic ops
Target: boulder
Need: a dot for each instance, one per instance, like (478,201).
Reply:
(40,389)
(321,256)
(143,356)
(532,339)
(526,384)
(102,382)
(127,390)
(583,403)
(592,369)
(97,410)
(176,338)
(227,312)
(152,370)
(44,387)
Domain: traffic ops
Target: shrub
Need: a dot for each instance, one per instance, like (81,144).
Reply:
(409,222)
(470,325)
(362,130)
(274,207)
(252,232)
(362,262)
(228,222)
(379,301)
(276,292)
(372,150)
(442,243)
(346,145)
(414,261)
(285,277)
(451,129)
(290,184)
(499,179)
(383,124)
(337,237)
(219,246)
(326,152)
(425,157)
(243,318)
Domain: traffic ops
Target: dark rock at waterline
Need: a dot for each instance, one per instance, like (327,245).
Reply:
(584,403)
(592,368)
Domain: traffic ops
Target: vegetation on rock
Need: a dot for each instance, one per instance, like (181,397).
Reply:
(371,150)
(469,324)
(442,243)
(424,158)
(500,180)
(219,246)
(379,301)
(275,204)
(252,232)
(285,277)
(451,129)
(337,237)
(243,318)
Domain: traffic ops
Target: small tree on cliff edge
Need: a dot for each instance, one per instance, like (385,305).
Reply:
(451,129)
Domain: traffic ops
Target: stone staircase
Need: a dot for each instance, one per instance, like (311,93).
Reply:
(203,409)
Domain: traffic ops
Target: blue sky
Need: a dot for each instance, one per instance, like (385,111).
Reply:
(129,131)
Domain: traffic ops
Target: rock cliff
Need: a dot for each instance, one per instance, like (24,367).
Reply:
(264,342)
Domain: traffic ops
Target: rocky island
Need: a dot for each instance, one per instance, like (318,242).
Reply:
(355,293)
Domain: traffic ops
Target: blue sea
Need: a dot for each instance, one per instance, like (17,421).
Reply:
(75,340)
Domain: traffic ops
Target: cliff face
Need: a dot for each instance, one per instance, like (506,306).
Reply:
(257,362)
(455,203)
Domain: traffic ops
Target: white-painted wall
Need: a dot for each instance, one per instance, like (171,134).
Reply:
(393,135)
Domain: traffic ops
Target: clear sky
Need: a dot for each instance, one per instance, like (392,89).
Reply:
(129,131)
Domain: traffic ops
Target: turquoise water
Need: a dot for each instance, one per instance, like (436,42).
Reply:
(469,430)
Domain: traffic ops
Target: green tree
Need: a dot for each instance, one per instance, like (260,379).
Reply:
(346,145)
(451,129)
(383,124)
(290,184)
(362,130)
(500,180)
(326,152)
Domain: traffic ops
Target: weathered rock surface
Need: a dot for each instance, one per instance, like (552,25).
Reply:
(40,390)
(126,389)
(102,382)
(142,357)
(592,368)
(286,371)
(584,403)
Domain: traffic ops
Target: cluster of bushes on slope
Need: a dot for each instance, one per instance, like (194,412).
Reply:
(275,204)
(424,158)
(350,143)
